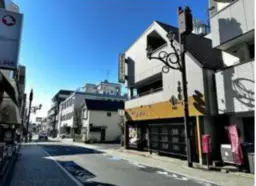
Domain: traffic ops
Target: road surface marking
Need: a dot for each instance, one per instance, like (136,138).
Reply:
(115,158)
(162,172)
(137,164)
(64,170)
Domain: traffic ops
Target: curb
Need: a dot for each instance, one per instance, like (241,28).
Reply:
(197,166)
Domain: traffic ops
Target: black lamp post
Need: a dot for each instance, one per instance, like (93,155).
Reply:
(176,61)
(29,110)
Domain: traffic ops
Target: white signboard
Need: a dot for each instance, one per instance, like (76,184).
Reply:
(10,33)
(121,68)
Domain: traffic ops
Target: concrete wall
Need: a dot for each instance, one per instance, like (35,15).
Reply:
(100,118)
(231,21)
(170,85)
(137,57)
(235,88)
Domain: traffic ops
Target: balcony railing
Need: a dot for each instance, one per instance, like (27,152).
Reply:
(147,98)
(147,93)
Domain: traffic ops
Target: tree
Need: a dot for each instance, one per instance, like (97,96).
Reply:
(78,120)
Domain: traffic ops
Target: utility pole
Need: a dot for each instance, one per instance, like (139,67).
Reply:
(185,28)
(29,111)
(23,112)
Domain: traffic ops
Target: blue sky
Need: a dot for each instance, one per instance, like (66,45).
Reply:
(66,44)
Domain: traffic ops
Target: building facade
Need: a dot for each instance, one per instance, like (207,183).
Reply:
(100,120)
(53,113)
(104,87)
(232,31)
(70,109)
(154,111)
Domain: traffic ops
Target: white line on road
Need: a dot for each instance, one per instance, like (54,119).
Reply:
(64,170)
(125,158)
(162,172)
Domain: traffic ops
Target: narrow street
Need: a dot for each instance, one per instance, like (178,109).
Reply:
(87,167)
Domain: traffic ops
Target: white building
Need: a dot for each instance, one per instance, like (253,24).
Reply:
(53,112)
(232,31)
(104,87)
(70,108)
(155,98)
(100,120)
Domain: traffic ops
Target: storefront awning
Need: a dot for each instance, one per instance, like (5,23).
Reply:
(9,112)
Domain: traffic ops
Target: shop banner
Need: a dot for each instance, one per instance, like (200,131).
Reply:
(235,144)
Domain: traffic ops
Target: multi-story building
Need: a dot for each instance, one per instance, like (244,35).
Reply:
(53,113)
(69,109)
(154,111)
(104,87)
(232,31)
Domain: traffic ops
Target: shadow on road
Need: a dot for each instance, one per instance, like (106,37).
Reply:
(81,174)
(65,150)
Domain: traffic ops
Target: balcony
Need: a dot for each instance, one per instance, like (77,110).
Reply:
(146,98)
(233,21)
(235,88)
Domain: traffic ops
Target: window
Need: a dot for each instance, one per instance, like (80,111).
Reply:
(155,41)
(109,114)
(251,51)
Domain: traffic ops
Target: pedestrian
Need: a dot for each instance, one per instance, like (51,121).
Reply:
(18,135)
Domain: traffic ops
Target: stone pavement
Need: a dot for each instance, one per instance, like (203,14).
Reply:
(33,168)
(174,165)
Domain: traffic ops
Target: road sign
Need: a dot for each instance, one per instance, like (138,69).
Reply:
(38,119)
(10,34)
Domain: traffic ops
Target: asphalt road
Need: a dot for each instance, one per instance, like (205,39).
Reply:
(92,167)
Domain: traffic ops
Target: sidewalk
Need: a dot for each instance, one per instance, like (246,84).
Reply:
(175,165)
(33,168)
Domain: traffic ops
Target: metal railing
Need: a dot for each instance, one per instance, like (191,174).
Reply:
(147,93)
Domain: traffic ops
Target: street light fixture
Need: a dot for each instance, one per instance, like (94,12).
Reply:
(176,61)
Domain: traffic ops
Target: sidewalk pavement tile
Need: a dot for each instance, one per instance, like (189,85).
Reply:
(34,169)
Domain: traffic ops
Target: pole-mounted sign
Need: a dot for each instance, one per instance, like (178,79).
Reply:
(10,35)
(121,68)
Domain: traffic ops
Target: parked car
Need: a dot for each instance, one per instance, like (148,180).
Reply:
(42,135)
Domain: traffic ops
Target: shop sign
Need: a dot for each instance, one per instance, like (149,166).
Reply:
(121,68)
(10,34)
(139,114)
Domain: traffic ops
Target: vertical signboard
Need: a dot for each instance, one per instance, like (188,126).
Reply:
(121,68)
(10,34)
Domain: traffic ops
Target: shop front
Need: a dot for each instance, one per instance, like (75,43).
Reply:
(160,128)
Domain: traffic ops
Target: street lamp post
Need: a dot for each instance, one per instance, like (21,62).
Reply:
(29,110)
(177,62)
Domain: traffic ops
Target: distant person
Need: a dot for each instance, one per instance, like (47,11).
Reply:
(18,136)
